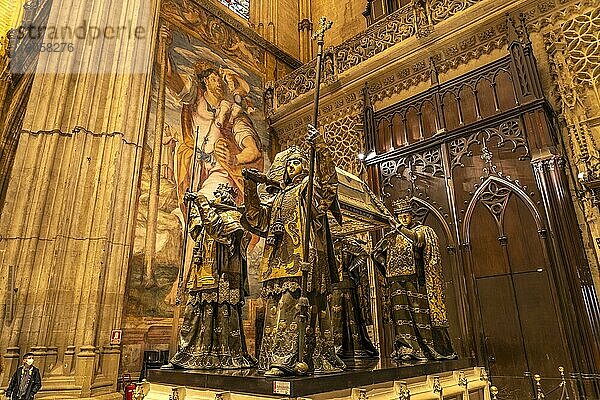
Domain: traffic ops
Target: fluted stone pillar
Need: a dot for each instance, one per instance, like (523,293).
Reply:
(69,214)
(305,28)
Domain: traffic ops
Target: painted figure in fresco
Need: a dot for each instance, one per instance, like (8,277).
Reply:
(409,258)
(238,89)
(217,133)
(350,304)
(227,140)
(281,221)
(212,334)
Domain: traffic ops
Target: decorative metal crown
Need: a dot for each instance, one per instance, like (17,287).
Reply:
(277,169)
(296,152)
(403,205)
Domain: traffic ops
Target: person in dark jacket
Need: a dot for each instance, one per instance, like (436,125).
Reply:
(26,381)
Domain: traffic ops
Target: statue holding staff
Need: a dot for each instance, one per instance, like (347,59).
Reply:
(298,263)
(289,345)
(212,334)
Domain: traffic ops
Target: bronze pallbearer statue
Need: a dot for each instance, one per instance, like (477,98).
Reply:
(286,347)
(350,303)
(409,257)
(212,334)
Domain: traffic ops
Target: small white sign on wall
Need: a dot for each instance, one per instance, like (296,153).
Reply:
(115,336)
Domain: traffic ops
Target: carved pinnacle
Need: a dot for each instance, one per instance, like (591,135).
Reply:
(324,26)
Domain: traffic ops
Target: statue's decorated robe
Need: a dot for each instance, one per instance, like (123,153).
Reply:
(212,334)
(415,291)
(350,302)
(281,221)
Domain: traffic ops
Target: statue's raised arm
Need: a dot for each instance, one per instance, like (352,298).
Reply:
(256,215)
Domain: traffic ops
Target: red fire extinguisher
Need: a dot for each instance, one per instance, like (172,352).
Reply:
(128,387)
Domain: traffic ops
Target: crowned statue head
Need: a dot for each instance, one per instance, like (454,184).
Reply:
(225,194)
(403,210)
(296,166)
(289,166)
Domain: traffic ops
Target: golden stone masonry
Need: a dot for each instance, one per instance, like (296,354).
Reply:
(318,199)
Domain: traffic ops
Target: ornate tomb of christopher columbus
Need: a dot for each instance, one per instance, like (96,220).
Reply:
(359,199)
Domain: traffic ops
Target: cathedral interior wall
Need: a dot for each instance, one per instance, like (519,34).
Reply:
(78,141)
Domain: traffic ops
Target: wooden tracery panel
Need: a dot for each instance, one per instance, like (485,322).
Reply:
(505,91)
(413,125)
(468,105)
(382,142)
(460,103)
(513,282)
(520,229)
(451,115)
(503,240)
(429,123)
(477,174)
(485,245)
(486,98)
(478,143)
(398,131)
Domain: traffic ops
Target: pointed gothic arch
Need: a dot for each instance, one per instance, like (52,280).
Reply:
(450,240)
(514,189)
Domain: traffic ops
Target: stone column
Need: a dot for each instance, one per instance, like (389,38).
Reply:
(14,94)
(570,273)
(149,281)
(305,27)
(68,220)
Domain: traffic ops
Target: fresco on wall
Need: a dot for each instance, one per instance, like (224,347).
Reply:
(219,97)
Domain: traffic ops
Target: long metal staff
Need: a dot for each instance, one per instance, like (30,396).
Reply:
(324,26)
(180,283)
(187,222)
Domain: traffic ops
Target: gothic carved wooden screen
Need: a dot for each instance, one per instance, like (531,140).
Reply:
(463,151)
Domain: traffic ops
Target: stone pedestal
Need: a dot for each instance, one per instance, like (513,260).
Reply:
(423,381)
(11,362)
(84,373)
